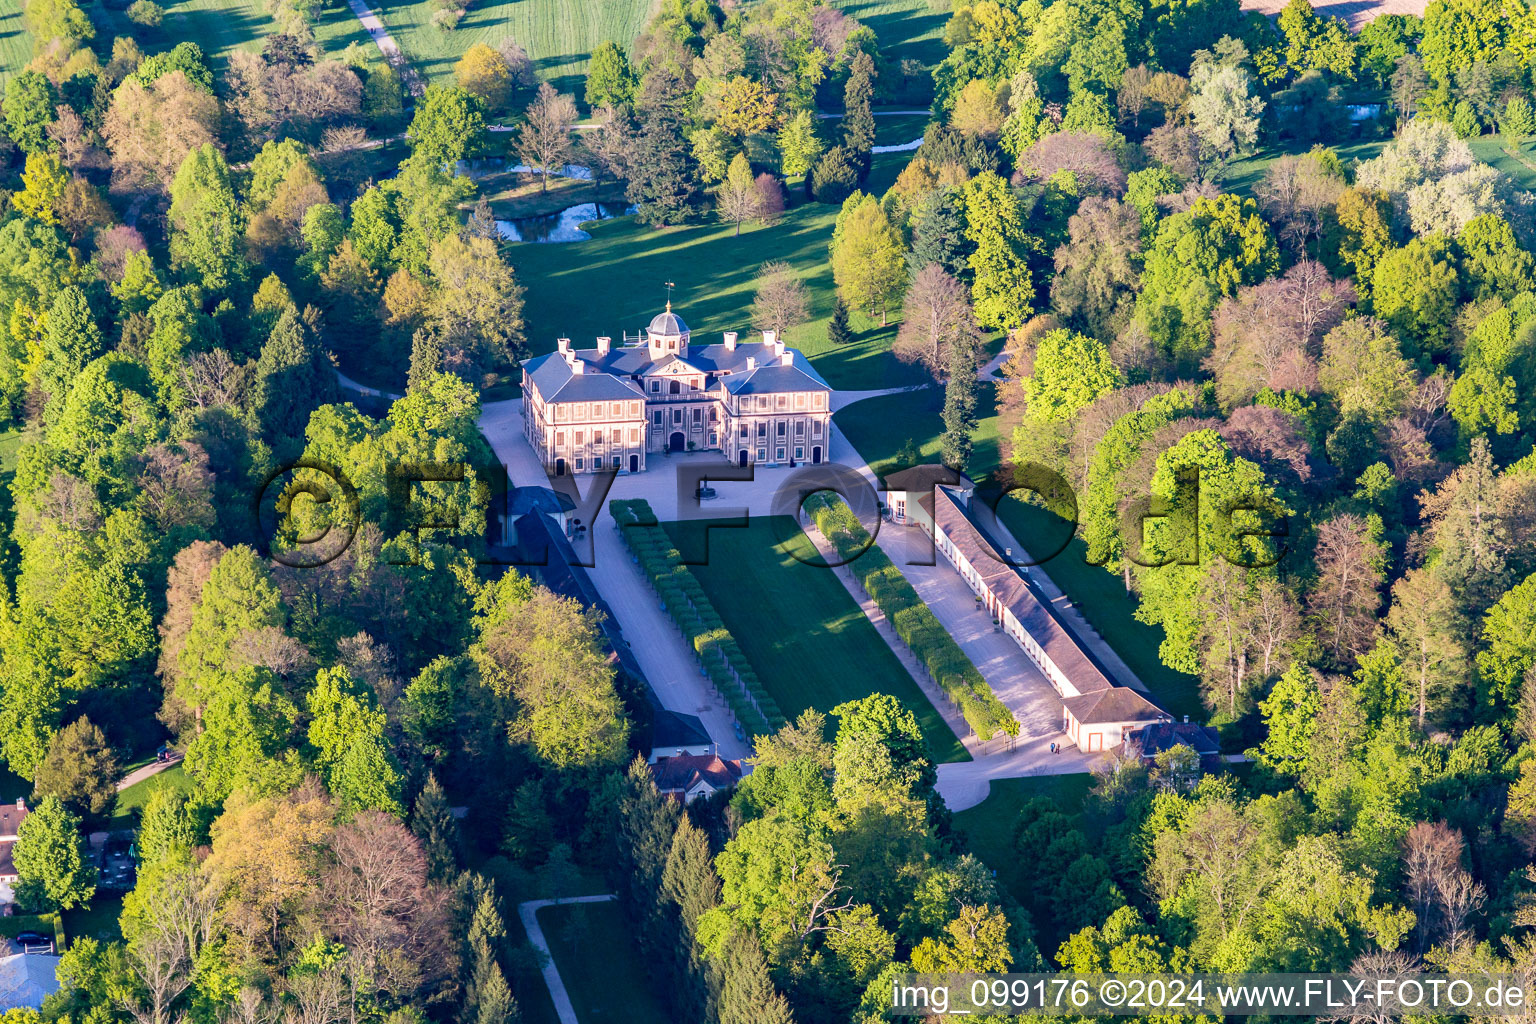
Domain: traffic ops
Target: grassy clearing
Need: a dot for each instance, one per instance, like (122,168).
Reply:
(988,827)
(15,40)
(906,28)
(1517,161)
(801,630)
(615,282)
(1243,175)
(132,800)
(558,34)
(1104,602)
(880,427)
(594,949)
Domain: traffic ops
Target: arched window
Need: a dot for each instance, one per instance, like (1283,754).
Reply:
(674,389)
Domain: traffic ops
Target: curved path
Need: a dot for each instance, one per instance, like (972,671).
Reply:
(528,913)
(146,771)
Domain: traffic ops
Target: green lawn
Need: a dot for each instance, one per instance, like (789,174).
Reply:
(800,629)
(896,129)
(1242,175)
(136,796)
(906,28)
(615,282)
(878,428)
(1520,164)
(1102,598)
(594,949)
(221,27)
(988,827)
(97,921)
(15,40)
(558,34)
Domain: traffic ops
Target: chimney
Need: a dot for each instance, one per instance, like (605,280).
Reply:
(751,363)
(21,803)
(770,337)
(778,347)
(730,341)
(1186,719)
(564,344)
(789,357)
(578,367)
(603,344)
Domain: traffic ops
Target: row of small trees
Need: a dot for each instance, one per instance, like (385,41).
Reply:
(684,600)
(912,619)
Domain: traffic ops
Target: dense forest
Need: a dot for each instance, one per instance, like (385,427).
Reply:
(1345,343)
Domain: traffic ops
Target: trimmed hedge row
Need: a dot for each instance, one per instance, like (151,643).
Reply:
(720,656)
(912,619)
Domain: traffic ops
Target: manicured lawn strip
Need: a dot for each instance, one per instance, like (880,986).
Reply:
(43,924)
(559,35)
(1102,599)
(988,827)
(801,630)
(615,282)
(137,795)
(912,619)
(600,964)
(880,427)
(896,130)
(721,658)
(15,40)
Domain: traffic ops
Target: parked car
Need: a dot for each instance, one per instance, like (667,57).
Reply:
(33,939)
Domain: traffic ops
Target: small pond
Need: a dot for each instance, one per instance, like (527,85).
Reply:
(561,226)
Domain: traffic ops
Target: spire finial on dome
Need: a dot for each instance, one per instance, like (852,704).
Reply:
(670,286)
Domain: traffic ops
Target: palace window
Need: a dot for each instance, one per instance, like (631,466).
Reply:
(655,387)
(781,428)
(560,437)
(674,388)
(634,408)
(762,455)
(616,462)
(782,401)
(762,430)
(799,428)
(780,456)
(713,438)
(677,416)
(617,408)
(698,417)
(656,417)
(634,436)
(597,437)
(816,428)
(579,463)
(799,452)
(800,401)
(743,430)
(580,436)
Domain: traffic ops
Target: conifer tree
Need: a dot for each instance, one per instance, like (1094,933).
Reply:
(747,995)
(838,331)
(647,822)
(293,378)
(858,118)
(432,822)
(664,180)
(959,408)
(426,359)
(690,883)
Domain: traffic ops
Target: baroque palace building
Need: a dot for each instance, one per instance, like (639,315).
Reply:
(607,408)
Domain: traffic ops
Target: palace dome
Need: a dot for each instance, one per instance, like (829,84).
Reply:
(668,325)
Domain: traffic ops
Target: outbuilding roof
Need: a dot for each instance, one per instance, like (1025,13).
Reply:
(1020,595)
(1115,704)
